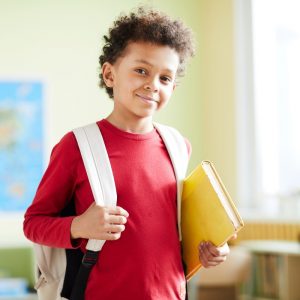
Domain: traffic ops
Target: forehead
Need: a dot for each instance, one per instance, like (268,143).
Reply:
(159,56)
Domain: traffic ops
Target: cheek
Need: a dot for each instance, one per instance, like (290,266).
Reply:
(135,83)
(123,88)
(165,97)
(130,86)
(167,93)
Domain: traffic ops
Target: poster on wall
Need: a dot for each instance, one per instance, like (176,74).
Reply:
(21,143)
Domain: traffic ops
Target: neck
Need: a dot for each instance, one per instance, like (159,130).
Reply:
(139,126)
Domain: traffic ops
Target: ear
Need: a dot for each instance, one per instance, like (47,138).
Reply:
(107,74)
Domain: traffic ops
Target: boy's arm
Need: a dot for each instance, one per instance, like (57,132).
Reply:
(43,223)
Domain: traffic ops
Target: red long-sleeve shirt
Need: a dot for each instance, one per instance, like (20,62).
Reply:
(145,263)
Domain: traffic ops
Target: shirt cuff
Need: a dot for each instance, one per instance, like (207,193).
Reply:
(72,243)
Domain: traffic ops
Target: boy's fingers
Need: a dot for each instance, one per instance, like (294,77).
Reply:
(218,251)
(111,236)
(203,256)
(115,228)
(113,219)
(234,237)
(118,211)
(208,256)
(223,250)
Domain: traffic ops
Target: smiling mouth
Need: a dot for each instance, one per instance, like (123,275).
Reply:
(147,98)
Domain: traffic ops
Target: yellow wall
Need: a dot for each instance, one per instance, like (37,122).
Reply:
(59,42)
(216,85)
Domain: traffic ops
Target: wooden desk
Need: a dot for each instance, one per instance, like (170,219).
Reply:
(276,270)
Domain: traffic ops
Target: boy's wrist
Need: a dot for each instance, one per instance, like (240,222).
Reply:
(75,227)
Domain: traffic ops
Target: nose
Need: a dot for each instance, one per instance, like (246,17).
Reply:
(151,85)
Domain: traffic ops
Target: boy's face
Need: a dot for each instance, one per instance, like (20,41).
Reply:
(143,79)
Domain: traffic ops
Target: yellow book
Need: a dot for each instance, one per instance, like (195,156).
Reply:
(207,214)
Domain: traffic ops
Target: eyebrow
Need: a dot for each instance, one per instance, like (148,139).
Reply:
(147,63)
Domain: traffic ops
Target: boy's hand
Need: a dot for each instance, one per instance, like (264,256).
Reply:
(210,255)
(101,223)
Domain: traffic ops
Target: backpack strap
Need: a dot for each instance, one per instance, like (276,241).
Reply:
(99,172)
(98,169)
(179,156)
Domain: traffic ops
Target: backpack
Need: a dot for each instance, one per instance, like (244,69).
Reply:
(63,273)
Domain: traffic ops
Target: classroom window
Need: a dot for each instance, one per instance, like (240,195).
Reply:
(269,105)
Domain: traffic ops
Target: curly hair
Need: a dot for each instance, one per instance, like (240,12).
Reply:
(146,25)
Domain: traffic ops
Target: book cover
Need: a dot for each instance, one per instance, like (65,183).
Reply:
(207,214)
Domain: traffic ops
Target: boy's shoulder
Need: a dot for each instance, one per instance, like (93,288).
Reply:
(66,149)
(175,132)
(67,142)
(161,126)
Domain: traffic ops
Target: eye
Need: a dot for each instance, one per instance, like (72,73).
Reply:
(141,71)
(165,79)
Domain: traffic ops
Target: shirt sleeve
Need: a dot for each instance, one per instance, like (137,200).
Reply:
(42,222)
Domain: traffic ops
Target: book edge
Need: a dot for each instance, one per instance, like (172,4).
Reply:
(232,205)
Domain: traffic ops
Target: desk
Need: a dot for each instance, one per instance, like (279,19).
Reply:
(222,282)
(276,269)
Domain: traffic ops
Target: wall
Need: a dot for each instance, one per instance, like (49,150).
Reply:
(217,88)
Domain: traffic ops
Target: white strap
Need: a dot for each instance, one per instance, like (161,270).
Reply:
(178,153)
(98,168)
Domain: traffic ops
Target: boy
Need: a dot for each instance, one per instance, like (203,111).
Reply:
(142,56)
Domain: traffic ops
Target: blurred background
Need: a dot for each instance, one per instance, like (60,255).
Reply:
(239,105)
